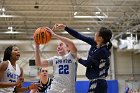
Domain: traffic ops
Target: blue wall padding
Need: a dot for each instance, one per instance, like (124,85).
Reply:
(113,86)
(82,86)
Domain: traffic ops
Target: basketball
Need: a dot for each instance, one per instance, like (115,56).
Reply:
(42,35)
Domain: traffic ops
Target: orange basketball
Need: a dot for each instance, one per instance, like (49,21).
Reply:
(42,35)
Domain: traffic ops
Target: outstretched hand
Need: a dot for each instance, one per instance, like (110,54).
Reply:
(59,26)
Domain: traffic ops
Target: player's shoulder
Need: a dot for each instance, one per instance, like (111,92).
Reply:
(104,52)
(53,58)
(4,65)
(71,55)
(56,57)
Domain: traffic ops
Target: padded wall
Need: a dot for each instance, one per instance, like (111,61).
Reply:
(82,86)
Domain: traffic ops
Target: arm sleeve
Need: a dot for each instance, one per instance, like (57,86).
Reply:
(77,35)
(87,63)
(83,62)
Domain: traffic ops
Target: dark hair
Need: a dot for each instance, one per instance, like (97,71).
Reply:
(106,34)
(8,52)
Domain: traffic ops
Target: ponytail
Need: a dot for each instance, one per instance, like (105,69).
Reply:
(109,45)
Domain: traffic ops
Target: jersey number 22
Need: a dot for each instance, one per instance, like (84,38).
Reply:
(63,69)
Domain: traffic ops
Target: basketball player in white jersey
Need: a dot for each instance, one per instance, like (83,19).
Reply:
(11,74)
(64,65)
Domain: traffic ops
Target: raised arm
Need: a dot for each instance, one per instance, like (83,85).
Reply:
(67,41)
(38,61)
(75,34)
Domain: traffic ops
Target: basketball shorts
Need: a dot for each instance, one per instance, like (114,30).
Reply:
(98,86)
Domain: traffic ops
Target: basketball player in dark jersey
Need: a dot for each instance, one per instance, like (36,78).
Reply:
(97,62)
(44,81)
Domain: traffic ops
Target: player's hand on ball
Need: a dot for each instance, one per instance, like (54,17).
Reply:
(50,30)
(42,35)
(37,44)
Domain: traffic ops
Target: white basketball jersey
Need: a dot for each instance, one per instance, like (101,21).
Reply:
(65,69)
(10,75)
